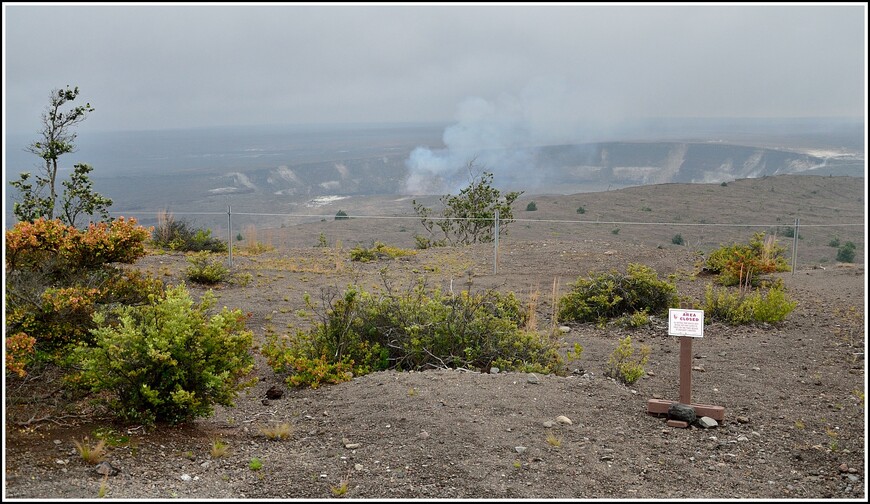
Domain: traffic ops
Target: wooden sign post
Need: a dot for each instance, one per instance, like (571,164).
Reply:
(688,325)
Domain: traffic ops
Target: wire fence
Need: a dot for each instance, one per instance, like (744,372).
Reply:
(810,243)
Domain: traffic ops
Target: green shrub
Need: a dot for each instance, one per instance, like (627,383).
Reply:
(531,207)
(614,231)
(581,210)
(167,361)
(735,308)
(743,264)
(678,239)
(204,269)
(341,215)
(180,235)
(846,253)
(635,320)
(378,251)
(623,365)
(612,295)
(416,329)
(834,243)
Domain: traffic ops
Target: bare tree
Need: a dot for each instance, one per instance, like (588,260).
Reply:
(56,139)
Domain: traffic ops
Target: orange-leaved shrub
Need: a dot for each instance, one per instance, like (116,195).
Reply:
(57,276)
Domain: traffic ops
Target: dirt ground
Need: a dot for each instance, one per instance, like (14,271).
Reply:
(793,394)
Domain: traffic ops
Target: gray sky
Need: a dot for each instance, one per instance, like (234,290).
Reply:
(155,67)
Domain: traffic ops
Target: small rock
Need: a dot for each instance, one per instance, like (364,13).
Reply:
(423,435)
(707,423)
(852,478)
(844,468)
(358,467)
(682,412)
(520,449)
(756,433)
(57,441)
(564,329)
(494,370)
(650,373)
(606,457)
(275,392)
(352,446)
(700,369)
(742,438)
(564,420)
(549,424)
(186,477)
(533,379)
(105,469)
(743,419)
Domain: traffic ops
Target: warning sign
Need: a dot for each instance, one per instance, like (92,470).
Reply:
(686,323)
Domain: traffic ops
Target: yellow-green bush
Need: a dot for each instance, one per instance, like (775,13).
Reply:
(614,295)
(167,361)
(735,308)
(623,365)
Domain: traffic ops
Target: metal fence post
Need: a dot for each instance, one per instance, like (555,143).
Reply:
(230,234)
(794,247)
(495,248)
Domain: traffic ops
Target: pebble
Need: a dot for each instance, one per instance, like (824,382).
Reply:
(358,467)
(352,446)
(564,420)
(533,379)
(698,368)
(520,449)
(743,438)
(423,435)
(549,424)
(707,422)
(186,477)
(494,370)
(564,329)
(742,419)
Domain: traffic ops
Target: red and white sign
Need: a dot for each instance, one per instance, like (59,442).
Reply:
(686,323)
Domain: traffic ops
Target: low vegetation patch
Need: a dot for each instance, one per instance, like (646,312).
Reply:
(735,307)
(744,264)
(378,251)
(636,294)
(360,332)
(205,269)
(180,235)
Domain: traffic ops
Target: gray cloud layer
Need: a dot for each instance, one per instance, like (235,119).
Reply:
(542,69)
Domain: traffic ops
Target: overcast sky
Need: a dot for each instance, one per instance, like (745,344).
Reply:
(156,67)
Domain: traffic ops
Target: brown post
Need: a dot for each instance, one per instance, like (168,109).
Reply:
(686,370)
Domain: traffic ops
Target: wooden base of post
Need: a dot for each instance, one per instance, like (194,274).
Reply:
(660,407)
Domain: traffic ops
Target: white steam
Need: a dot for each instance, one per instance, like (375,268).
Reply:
(501,137)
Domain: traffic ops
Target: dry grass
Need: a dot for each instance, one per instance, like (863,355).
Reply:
(218,449)
(532,318)
(553,441)
(277,431)
(91,454)
(555,304)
